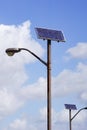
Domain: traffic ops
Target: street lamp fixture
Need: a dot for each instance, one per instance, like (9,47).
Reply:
(12,51)
(73,107)
(45,34)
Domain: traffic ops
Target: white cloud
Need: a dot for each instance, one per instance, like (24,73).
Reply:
(43,114)
(60,120)
(61,116)
(70,82)
(83,96)
(79,51)
(66,83)
(36,90)
(18,124)
(9,104)
(19,36)
(12,71)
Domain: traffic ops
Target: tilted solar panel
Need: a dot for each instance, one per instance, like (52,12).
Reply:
(70,106)
(48,34)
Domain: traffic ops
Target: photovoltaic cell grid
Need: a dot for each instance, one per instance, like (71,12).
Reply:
(48,34)
(70,106)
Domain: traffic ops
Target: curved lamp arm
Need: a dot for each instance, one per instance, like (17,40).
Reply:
(78,112)
(12,51)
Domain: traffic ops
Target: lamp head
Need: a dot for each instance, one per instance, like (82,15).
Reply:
(85,107)
(12,51)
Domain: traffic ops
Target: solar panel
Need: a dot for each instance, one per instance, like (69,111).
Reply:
(70,106)
(48,34)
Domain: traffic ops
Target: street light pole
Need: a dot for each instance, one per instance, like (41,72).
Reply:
(49,85)
(12,51)
(45,34)
(71,118)
(72,107)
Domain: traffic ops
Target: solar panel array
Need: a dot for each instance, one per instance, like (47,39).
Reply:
(48,34)
(70,106)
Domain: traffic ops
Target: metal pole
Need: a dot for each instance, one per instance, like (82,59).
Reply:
(70,119)
(48,64)
(48,84)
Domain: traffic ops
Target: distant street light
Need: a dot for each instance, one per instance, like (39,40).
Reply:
(45,34)
(73,107)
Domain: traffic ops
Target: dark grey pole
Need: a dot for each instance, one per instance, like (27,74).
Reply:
(48,84)
(70,126)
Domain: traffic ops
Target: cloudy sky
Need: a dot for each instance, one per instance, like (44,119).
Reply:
(23,91)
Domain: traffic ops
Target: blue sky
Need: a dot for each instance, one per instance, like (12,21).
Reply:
(23,78)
